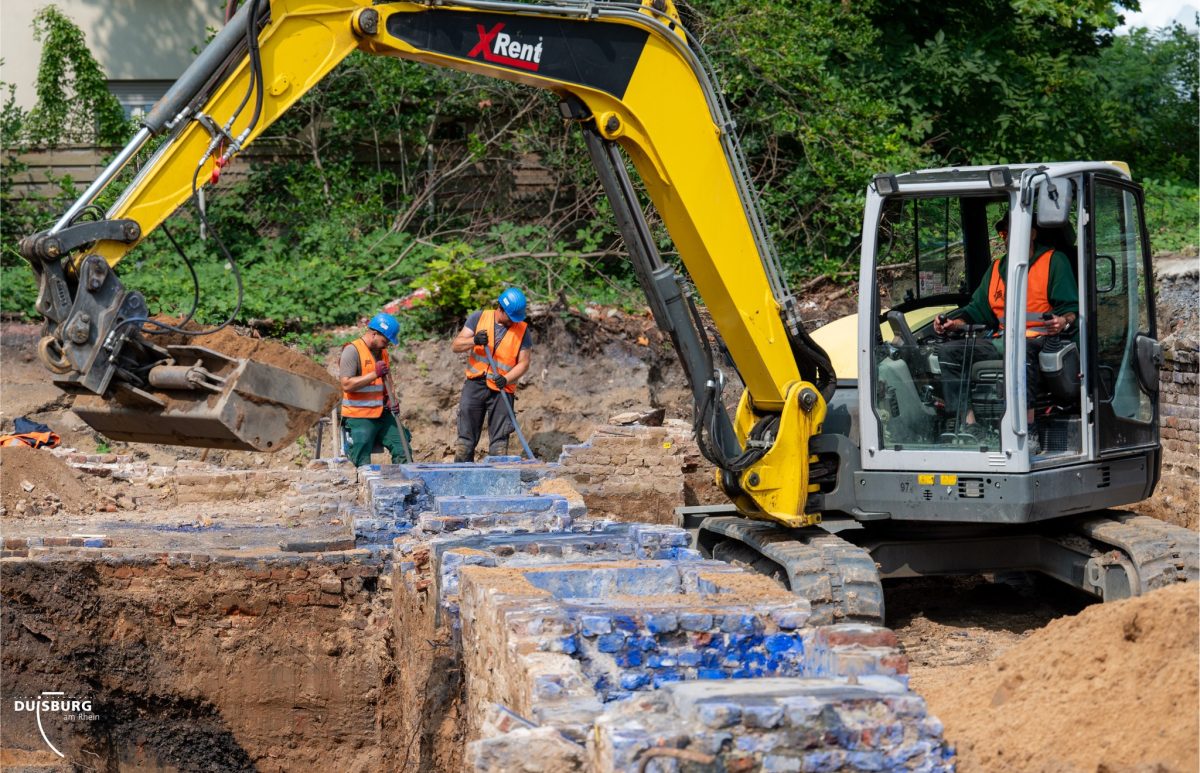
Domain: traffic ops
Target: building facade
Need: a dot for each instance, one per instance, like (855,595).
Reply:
(142,45)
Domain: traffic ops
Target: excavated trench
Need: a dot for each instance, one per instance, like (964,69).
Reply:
(192,663)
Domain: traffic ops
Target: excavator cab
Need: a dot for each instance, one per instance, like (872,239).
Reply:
(996,400)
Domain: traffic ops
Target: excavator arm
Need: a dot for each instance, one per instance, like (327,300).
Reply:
(632,79)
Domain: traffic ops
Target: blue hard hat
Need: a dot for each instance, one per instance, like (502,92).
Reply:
(512,301)
(386,324)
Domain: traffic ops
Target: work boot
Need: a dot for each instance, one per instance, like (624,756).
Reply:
(499,448)
(462,454)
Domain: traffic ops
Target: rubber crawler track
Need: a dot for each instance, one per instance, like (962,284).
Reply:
(838,578)
(1162,554)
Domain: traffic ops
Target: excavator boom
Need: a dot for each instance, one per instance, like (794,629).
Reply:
(631,78)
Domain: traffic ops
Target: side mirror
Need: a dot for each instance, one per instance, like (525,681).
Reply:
(1054,202)
(1149,362)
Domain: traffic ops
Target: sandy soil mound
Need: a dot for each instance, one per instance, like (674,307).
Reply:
(35,482)
(1114,688)
(229,342)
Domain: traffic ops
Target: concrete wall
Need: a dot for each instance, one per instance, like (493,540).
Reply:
(131,39)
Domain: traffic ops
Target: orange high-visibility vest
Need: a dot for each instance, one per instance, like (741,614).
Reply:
(1037,294)
(366,402)
(504,355)
(31,439)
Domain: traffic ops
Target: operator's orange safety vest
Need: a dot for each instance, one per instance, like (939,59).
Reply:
(504,355)
(1037,294)
(366,402)
(31,439)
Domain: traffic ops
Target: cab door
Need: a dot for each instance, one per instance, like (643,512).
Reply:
(1122,334)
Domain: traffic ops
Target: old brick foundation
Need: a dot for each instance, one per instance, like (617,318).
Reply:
(469,622)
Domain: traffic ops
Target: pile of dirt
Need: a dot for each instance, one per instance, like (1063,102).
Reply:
(1113,688)
(36,482)
(229,342)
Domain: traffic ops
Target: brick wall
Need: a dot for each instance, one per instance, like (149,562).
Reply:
(1177,314)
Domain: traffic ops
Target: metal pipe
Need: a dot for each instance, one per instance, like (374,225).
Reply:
(101,182)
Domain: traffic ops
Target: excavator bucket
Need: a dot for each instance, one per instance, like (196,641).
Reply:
(214,401)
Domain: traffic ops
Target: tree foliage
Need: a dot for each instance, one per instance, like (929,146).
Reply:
(73,100)
(392,175)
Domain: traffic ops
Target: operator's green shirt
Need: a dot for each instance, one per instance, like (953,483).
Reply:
(1062,292)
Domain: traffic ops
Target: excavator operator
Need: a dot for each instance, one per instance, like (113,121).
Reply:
(1052,305)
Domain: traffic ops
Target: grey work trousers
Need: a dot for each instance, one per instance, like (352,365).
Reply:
(479,401)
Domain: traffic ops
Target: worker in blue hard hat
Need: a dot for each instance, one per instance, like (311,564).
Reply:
(502,335)
(369,410)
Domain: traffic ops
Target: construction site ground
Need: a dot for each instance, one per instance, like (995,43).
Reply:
(1024,675)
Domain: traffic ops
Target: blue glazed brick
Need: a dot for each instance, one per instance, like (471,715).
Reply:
(690,658)
(695,621)
(662,623)
(755,659)
(569,645)
(742,643)
(645,643)
(710,659)
(710,673)
(610,642)
(629,659)
(666,677)
(744,624)
(625,623)
(595,625)
(782,642)
(634,681)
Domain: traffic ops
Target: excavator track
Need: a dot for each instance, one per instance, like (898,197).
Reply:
(838,578)
(1161,554)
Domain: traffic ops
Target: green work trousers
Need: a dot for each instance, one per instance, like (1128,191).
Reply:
(364,433)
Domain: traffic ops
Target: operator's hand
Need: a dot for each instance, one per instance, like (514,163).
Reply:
(382,369)
(942,325)
(1055,324)
(481,338)
(500,382)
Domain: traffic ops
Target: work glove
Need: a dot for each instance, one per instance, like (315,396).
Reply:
(394,408)
(382,369)
(500,382)
(481,338)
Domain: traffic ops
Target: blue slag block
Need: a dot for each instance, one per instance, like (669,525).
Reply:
(485,505)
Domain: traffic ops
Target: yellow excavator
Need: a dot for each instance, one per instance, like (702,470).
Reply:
(841,470)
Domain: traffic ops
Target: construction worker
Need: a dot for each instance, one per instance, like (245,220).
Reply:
(502,335)
(368,411)
(1052,306)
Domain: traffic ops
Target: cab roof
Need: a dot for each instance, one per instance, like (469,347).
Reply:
(973,174)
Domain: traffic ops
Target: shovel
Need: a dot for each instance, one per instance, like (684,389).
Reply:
(487,350)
